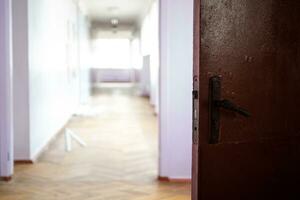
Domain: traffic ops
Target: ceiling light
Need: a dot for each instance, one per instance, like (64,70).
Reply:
(114,22)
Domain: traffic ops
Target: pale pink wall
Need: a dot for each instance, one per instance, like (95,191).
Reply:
(176,36)
(114,75)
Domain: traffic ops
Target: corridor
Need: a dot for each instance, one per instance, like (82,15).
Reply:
(120,161)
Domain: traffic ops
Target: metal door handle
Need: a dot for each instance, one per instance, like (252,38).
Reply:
(226,104)
(215,103)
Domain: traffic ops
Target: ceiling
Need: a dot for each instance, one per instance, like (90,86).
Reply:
(126,11)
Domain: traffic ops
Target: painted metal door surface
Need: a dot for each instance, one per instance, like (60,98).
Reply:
(248,79)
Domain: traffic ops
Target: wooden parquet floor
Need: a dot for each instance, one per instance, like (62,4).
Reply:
(119,163)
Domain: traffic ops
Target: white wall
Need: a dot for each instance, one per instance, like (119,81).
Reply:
(136,56)
(48,35)
(150,46)
(176,35)
(6,126)
(53,68)
(84,58)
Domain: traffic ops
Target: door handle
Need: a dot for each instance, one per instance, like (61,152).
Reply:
(226,104)
(215,103)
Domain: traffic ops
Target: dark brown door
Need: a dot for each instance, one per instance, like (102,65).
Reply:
(252,49)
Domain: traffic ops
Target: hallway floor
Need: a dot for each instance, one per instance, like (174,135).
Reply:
(119,163)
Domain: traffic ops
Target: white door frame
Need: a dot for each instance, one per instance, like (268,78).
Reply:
(6,99)
(176,85)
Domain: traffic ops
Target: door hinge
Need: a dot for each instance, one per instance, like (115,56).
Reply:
(8,156)
(195,133)
(195,117)
(195,94)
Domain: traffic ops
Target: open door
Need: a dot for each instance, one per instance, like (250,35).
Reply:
(247,129)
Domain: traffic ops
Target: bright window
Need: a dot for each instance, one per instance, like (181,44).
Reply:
(111,53)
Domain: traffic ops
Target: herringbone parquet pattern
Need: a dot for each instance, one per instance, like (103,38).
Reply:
(119,163)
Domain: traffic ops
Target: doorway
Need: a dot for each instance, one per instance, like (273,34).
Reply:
(96,53)
(105,93)
(73,78)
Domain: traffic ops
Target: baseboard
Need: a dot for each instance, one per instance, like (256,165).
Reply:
(44,149)
(6,179)
(23,162)
(174,180)
(49,143)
